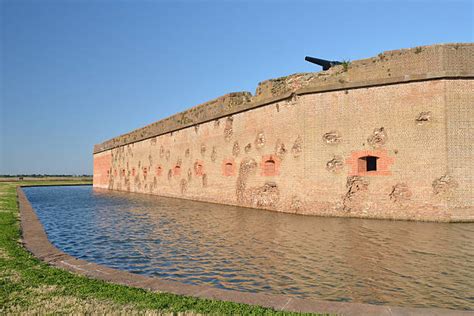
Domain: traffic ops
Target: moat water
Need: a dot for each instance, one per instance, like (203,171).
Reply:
(371,261)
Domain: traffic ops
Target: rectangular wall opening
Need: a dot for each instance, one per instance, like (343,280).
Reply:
(368,163)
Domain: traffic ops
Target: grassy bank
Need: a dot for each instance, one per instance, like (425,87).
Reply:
(29,286)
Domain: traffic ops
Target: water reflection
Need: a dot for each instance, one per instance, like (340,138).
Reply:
(380,262)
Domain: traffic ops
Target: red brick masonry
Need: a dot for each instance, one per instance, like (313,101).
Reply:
(383,163)
(36,241)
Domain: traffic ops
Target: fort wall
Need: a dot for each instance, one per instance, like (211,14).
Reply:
(386,137)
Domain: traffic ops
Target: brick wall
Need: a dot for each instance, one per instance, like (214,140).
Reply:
(459,183)
(302,154)
(102,170)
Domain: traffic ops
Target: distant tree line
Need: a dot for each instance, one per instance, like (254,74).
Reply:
(44,175)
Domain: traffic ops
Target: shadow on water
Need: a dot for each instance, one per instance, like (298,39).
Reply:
(372,261)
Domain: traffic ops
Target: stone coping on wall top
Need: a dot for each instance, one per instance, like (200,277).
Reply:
(171,123)
(36,241)
(440,61)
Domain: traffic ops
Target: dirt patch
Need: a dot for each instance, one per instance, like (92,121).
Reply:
(279,86)
(60,304)
(10,276)
(3,254)
(46,289)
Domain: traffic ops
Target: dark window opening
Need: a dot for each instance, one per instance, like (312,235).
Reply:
(368,163)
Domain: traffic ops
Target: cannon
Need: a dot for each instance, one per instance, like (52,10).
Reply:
(326,64)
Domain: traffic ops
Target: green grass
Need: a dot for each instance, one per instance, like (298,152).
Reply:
(29,286)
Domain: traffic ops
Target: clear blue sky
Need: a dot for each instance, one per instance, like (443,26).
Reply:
(76,73)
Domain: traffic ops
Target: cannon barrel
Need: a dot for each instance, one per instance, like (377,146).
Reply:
(326,64)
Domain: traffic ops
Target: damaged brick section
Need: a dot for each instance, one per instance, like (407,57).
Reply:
(335,165)
(260,140)
(423,117)
(400,193)
(357,188)
(296,204)
(236,149)
(378,138)
(444,185)
(297,148)
(228,130)
(265,196)
(280,149)
(248,167)
(332,137)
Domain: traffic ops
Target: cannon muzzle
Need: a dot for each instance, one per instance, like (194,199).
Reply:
(326,64)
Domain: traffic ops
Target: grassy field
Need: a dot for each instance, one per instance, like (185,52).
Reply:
(29,286)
